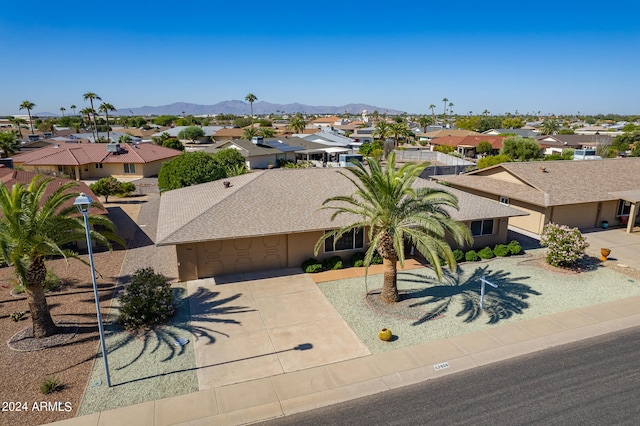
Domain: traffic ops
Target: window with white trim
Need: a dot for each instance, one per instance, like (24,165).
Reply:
(98,165)
(351,240)
(504,200)
(129,168)
(482,227)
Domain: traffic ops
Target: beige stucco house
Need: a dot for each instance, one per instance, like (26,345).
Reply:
(580,194)
(96,160)
(271,219)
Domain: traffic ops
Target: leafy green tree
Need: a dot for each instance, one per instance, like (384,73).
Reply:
(91,96)
(519,148)
(191,133)
(492,160)
(189,168)
(106,107)
(242,122)
(249,133)
(37,225)
(297,123)
(469,123)
(445,149)
(173,143)
(8,143)
(251,98)
(512,123)
(164,120)
(392,212)
(630,127)
(566,132)
(266,132)
(484,147)
(229,158)
(108,186)
(28,105)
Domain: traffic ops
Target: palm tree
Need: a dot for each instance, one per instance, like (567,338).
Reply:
(424,121)
(249,133)
(445,100)
(87,112)
(62,110)
(18,122)
(266,132)
(433,114)
(28,105)
(251,98)
(35,226)
(91,96)
(550,127)
(297,123)
(398,131)
(451,109)
(73,108)
(8,143)
(381,131)
(391,211)
(106,107)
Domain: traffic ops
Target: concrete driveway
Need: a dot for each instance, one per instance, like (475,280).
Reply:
(252,326)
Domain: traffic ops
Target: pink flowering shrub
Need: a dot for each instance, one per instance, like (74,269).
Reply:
(147,301)
(565,245)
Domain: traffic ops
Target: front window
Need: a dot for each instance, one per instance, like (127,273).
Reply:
(624,208)
(351,240)
(482,227)
(129,168)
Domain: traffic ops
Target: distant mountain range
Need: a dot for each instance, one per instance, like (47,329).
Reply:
(241,108)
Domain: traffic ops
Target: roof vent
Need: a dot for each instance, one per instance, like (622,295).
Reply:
(257,140)
(113,147)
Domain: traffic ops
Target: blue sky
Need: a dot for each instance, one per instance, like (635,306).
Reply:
(549,56)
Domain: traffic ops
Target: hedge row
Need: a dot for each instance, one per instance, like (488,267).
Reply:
(499,250)
(336,262)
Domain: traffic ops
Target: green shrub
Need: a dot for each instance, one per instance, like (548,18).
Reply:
(471,256)
(376,259)
(50,385)
(147,301)
(333,264)
(501,250)
(486,253)
(311,265)
(565,245)
(514,247)
(458,255)
(357,260)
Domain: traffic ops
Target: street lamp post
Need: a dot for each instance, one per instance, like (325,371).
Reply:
(83,202)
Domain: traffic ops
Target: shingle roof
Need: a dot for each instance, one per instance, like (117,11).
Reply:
(275,202)
(472,140)
(552,183)
(80,154)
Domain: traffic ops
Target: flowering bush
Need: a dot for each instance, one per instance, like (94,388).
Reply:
(565,245)
(147,301)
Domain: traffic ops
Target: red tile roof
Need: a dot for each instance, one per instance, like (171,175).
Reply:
(495,141)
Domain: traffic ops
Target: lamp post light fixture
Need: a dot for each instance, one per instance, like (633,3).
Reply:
(83,203)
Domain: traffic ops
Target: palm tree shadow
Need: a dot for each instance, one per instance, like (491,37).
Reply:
(196,315)
(499,303)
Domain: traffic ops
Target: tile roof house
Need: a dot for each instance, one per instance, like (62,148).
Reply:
(467,145)
(557,143)
(94,160)
(272,219)
(580,194)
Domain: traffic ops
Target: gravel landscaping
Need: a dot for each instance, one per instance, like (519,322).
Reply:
(430,310)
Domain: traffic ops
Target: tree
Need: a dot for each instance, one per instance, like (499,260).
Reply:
(18,122)
(173,143)
(445,100)
(106,107)
(512,123)
(73,108)
(424,121)
(392,212)
(35,226)
(249,133)
(108,186)
(91,96)
(189,168)
(191,133)
(297,123)
(492,160)
(28,105)
(550,127)
(8,143)
(519,148)
(229,160)
(62,110)
(398,131)
(251,98)
(484,147)
(433,114)
(266,132)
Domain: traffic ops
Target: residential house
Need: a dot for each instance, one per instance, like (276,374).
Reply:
(95,160)
(228,134)
(467,146)
(329,138)
(555,144)
(525,133)
(580,194)
(272,219)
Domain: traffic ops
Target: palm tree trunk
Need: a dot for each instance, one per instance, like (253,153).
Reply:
(43,324)
(389,292)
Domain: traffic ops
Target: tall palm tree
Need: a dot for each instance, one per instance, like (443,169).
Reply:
(391,211)
(445,100)
(451,109)
(28,105)
(87,112)
(73,108)
(62,110)
(8,143)
(424,121)
(381,131)
(36,226)
(433,114)
(297,123)
(18,122)
(91,96)
(106,107)
(550,127)
(398,131)
(251,98)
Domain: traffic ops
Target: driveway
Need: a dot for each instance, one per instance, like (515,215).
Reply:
(252,326)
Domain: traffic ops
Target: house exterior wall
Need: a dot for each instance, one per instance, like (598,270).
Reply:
(499,236)
(577,215)
(90,171)
(500,175)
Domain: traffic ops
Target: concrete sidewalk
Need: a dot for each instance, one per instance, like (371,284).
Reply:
(293,392)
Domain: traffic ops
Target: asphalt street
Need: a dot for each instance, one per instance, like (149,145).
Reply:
(591,382)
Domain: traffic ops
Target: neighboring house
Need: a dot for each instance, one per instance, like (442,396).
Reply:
(94,160)
(447,132)
(557,143)
(525,133)
(328,138)
(113,136)
(272,219)
(173,132)
(362,135)
(228,134)
(580,194)
(467,145)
